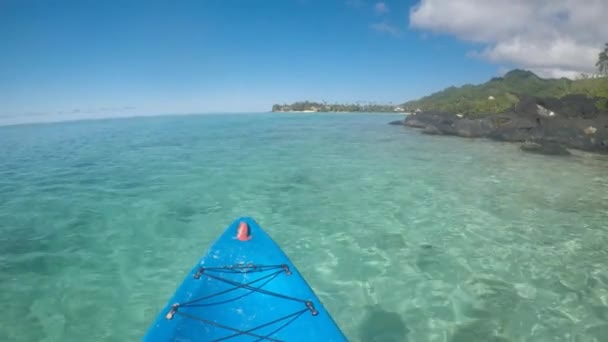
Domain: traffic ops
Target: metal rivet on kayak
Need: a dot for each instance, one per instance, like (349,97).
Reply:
(286,269)
(243,233)
(312,309)
(198,273)
(172,312)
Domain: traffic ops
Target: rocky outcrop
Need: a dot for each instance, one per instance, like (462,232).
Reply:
(552,124)
(569,106)
(545,147)
(397,122)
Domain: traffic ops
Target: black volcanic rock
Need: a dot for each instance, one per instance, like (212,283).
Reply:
(570,106)
(545,147)
(552,124)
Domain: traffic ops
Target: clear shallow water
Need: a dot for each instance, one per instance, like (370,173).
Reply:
(404,237)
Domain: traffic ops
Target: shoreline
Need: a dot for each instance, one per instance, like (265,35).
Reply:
(527,125)
(341,112)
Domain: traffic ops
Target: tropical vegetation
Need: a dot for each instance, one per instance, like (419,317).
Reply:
(501,93)
(497,95)
(334,107)
(602,62)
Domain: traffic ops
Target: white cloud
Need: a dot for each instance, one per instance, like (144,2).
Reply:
(556,72)
(385,27)
(551,37)
(381,8)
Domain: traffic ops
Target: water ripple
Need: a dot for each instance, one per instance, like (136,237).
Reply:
(405,237)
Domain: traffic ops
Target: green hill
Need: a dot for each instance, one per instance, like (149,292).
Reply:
(501,93)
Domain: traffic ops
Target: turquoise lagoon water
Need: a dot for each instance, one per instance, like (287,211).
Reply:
(404,237)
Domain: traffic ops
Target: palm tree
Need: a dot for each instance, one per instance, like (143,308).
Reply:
(602,63)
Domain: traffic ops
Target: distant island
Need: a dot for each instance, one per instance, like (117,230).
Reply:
(308,106)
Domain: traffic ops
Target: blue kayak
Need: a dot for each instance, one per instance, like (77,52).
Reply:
(244,289)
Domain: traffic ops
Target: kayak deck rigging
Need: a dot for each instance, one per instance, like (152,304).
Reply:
(268,273)
(244,288)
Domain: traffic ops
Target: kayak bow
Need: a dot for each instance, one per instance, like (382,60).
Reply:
(244,289)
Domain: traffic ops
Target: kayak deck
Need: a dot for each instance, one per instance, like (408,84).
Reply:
(244,289)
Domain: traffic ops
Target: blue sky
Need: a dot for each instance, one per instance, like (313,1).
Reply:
(67,59)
